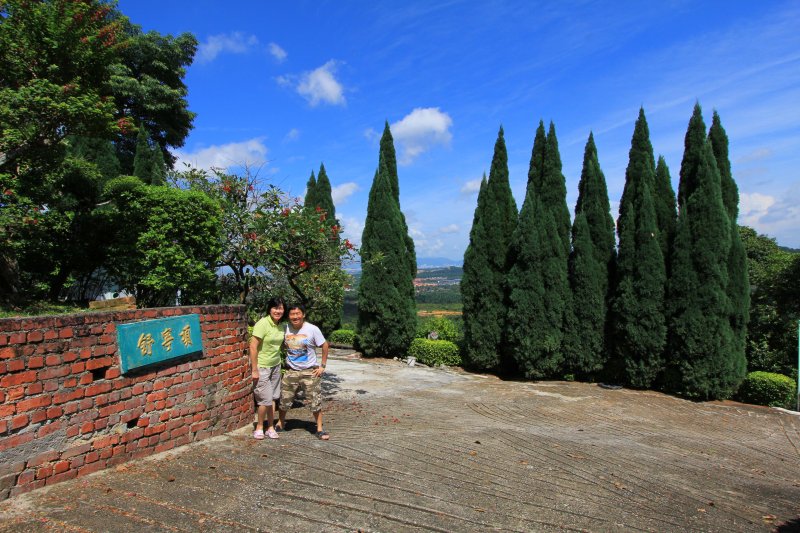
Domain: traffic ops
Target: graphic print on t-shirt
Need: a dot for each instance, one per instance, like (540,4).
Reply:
(297,347)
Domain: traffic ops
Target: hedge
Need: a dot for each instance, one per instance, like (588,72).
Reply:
(767,388)
(433,353)
(342,336)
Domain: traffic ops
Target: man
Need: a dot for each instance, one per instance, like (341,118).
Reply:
(304,372)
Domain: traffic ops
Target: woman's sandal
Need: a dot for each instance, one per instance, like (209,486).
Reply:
(323,435)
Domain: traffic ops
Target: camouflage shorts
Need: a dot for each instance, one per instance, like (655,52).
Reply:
(296,380)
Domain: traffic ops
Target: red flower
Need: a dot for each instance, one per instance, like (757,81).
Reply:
(303,264)
(286,212)
(319,209)
(8,192)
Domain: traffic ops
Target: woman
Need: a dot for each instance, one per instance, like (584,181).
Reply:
(265,357)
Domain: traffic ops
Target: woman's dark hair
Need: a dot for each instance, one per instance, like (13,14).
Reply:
(296,306)
(276,302)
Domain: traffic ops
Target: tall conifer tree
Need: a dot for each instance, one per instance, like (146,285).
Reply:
(593,252)
(666,213)
(553,192)
(386,308)
(638,328)
(310,201)
(538,287)
(702,344)
(738,289)
(485,267)
(324,195)
(388,158)
(143,159)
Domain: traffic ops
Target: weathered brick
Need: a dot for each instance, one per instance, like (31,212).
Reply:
(97,388)
(86,379)
(18,379)
(52,427)
(54,412)
(17,338)
(60,467)
(16,440)
(36,361)
(64,476)
(50,334)
(44,457)
(87,427)
(19,421)
(91,457)
(34,388)
(51,385)
(78,367)
(56,372)
(35,336)
(15,365)
(38,416)
(33,403)
(65,333)
(112,373)
(98,362)
(52,360)
(62,397)
(76,451)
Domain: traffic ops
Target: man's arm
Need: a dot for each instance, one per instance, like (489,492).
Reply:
(321,368)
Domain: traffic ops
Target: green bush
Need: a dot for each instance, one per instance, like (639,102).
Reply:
(767,388)
(443,326)
(432,352)
(342,336)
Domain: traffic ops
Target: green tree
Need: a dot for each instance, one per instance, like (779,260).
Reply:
(388,158)
(666,212)
(537,283)
(324,195)
(553,191)
(55,57)
(638,327)
(738,287)
(702,343)
(774,311)
(592,257)
(483,285)
(168,243)
(386,307)
(149,89)
(310,201)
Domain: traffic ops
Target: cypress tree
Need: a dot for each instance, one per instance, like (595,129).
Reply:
(666,213)
(310,200)
(701,341)
(143,160)
(537,281)
(593,252)
(388,158)
(536,168)
(638,325)
(323,192)
(386,307)
(485,267)
(693,154)
(738,289)
(553,191)
(158,174)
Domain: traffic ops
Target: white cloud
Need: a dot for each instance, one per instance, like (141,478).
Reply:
(251,152)
(372,135)
(293,135)
(421,129)
(450,228)
(214,45)
(318,86)
(340,193)
(353,228)
(776,217)
(755,155)
(277,52)
(471,187)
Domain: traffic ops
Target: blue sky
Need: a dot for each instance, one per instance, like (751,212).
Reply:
(288,85)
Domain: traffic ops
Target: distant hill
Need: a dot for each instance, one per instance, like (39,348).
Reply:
(790,250)
(434,262)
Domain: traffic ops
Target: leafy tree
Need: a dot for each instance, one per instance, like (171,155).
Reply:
(148,88)
(592,257)
(98,151)
(638,328)
(324,196)
(666,212)
(168,244)
(483,285)
(537,283)
(774,311)
(386,308)
(55,57)
(738,287)
(702,344)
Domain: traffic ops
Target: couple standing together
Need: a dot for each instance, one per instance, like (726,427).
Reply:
(304,372)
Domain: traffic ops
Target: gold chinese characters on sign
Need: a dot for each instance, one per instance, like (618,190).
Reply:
(186,336)
(168,338)
(145,344)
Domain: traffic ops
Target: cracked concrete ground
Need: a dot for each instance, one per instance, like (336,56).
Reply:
(441,450)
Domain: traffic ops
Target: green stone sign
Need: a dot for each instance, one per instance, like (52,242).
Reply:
(155,341)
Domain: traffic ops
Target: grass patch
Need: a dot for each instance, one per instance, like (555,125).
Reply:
(39,309)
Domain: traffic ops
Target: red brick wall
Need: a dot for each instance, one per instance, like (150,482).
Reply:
(66,410)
